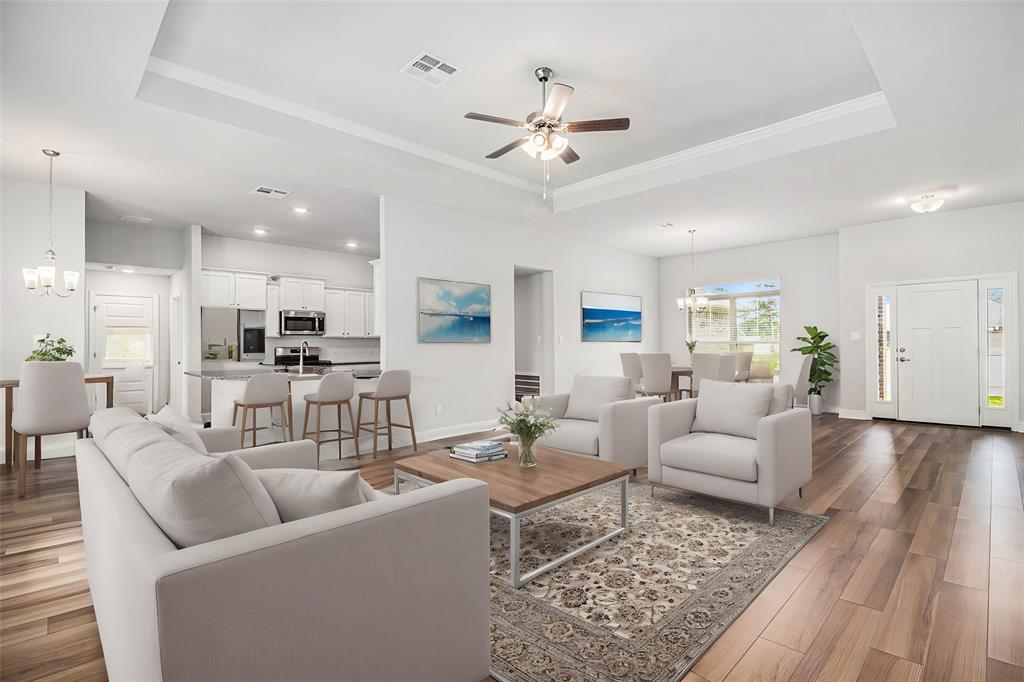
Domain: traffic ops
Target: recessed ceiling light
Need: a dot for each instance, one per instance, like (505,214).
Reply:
(259,231)
(927,203)
(128,270)
(300,209)
(126,218)
(665,225)
(351,244)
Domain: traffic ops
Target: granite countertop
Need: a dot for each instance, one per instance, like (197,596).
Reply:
(308,373)
(334,363)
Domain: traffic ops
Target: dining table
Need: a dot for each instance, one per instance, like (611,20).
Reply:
(679,371)
(10,384)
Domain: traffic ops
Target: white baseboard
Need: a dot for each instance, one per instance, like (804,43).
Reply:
(402,436)
(854,414)
(1019,427)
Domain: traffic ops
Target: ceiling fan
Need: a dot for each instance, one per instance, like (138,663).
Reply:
(546,133)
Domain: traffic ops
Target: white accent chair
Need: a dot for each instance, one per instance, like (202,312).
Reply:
(51,399)
(657,373)
(743,360)
(632,368)
(600,418)
(796,374)
(740,442)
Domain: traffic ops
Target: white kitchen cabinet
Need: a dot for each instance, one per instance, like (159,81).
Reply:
(250,291)
(371,316)
(355,313)
(334,313)
(293,294)
(273,319)
(314,295)
(218,289)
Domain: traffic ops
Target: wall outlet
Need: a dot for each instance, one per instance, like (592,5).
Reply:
(540,340)
(439,409)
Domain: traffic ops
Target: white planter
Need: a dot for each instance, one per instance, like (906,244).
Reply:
(814,402)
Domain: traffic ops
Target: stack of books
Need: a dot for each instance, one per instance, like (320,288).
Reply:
(479,451)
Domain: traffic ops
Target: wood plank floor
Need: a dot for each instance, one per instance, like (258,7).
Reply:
(918,576)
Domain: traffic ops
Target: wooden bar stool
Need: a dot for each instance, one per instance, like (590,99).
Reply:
(268,391)
(51,400)
(394,384)
(335,389)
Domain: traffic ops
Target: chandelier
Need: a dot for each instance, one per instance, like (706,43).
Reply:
(692,302)
(40,280)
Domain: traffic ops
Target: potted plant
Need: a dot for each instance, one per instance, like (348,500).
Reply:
(527,421)
(49,350)
(691,346)
(823,360)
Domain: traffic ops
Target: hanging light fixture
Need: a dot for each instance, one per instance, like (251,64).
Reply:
(41,281)
(692,302)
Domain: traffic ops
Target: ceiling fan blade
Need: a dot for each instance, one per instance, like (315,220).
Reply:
(597,125)
(570,155)
(557,99)
(507,148)
(495,119)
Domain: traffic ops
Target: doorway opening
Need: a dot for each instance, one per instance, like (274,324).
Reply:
(534,331)
(124,333)
(944,351)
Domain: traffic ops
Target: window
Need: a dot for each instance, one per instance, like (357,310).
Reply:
(743,316)
(883,341)
(128,343)
(996,391)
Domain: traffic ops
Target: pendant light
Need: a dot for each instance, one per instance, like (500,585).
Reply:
(692,302)
(41,281)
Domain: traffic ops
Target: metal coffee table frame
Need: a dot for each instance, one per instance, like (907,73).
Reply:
(517,579)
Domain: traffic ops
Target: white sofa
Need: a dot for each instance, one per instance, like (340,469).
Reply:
(600,418)
(391,589)
(736,441)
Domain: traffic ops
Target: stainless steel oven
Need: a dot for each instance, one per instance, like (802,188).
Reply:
(302,323)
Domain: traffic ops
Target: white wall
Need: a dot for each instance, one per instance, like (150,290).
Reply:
(103,282)
(23,239)
(138,245)
(187,282)
(340,269)
(807,271)
(947,243)
(469,381)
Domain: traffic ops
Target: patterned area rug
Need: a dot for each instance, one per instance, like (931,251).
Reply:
(642,606)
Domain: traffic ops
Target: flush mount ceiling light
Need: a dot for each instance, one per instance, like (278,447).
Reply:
(129,271)
(927,203)
(300,209)
(260,231)
(40,280)
(665,226)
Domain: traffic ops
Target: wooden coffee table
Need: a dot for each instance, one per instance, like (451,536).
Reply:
(516,493)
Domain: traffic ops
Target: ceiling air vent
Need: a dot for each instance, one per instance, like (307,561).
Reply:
(272,192)
(430,69)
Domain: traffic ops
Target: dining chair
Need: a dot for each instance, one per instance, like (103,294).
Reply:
(335,389)
(657,375)
(727,367)
(705,366)
(796,374)
(265,391)
(52,399)
(743,360)
(394,384)
(633,368)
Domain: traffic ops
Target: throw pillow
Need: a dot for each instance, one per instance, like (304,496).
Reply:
(299,493)
(731,408)
(590,393)
(180,428)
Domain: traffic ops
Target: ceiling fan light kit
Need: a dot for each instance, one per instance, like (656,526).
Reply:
(546,135)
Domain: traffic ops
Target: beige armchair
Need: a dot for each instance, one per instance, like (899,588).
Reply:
(600,418)
(737,441)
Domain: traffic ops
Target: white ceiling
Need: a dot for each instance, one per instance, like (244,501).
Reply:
(179,114)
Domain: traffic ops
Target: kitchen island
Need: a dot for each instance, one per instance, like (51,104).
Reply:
(228,385)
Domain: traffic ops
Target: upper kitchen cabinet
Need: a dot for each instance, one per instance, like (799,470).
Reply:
(301,294)
(223,289)
(346,313)
(273,319)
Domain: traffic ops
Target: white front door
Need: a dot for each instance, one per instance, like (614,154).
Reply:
(123,339)
(937,352)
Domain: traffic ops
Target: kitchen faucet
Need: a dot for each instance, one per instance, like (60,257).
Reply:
(303,349)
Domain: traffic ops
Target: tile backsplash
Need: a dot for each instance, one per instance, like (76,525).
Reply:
(335,350)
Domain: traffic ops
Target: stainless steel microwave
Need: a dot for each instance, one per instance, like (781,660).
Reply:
(302,323)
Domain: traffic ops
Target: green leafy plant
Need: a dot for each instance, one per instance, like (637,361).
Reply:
(823,360)
(527,420)
(691,345)
(49,350)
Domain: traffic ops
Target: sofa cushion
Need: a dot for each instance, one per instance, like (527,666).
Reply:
(574,435)
(179,428)
(590,393)
(195,498)
(104,422)
(122,444)
(782,398)
(731,408)
(298,493)
(713,453)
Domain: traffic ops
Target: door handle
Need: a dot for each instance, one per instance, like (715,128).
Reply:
(902,350)
(903,359)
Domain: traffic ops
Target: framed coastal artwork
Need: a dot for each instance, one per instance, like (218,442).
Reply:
(453,312)
(610,317)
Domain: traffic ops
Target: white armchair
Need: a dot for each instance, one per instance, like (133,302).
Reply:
(740,442)
(600,418)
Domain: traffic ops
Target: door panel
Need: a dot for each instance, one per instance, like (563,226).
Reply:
(937,352)
(123,340)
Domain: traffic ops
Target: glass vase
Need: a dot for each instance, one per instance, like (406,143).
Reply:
(526,457)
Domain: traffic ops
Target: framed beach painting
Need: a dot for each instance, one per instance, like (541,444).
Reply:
(610,317)
(453,312)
